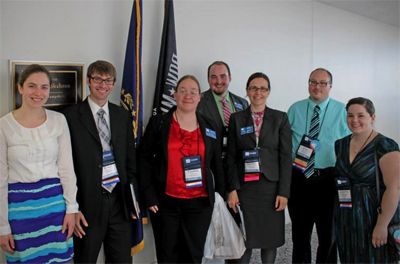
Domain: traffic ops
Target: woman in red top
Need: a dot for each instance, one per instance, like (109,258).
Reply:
(180,169)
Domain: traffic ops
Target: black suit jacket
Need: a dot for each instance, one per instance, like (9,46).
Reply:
(208,107)
(153,156)
(88,156)
(274,148)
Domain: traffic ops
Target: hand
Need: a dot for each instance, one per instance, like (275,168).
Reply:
(280,203)
(7,243)
(379,236)
(154,208)
(69,222)
(138,211)
(78,231)
(233,200)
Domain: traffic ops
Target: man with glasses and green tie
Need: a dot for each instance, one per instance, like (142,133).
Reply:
(316,122)
(103,150)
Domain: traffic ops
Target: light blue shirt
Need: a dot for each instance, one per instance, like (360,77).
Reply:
(333,126)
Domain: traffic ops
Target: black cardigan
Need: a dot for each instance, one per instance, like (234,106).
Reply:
(153,158)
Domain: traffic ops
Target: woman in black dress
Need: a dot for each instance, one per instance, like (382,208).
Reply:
(361,232)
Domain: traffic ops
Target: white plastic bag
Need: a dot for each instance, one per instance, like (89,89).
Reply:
(224,238)
(209,245)
(212,261)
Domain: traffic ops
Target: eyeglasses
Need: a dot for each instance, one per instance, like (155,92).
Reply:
(321,84)
(99,80)
(255,89)
(184,93)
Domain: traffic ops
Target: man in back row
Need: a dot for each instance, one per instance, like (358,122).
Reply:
(316,122)
(218,103)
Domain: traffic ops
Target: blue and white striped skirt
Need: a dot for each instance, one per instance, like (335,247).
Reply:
(36,212)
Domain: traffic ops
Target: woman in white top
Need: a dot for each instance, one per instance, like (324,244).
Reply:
(37,179)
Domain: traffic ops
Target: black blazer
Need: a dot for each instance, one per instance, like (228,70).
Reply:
(274,148)
(88,156)
(208,107)
(153,158)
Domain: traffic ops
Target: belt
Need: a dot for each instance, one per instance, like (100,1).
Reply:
(322,173)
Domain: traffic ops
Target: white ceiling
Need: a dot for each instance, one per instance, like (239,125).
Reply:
(387,12)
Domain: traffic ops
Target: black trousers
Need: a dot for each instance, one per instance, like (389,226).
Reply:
(183,226)
(312,202)
(112,228)
(156,223)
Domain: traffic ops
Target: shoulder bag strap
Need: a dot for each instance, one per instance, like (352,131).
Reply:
(378,189)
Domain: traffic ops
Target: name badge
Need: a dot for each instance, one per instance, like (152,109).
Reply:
(211,133)
(192,172)
(246,130)
(224,141)
(344,193)
(306,149)
(251,177)
(315,144)
(225,137)
(110,172)
(251,165)
(238,105)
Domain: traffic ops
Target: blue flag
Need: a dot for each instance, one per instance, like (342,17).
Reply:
(131,97)
(167,74)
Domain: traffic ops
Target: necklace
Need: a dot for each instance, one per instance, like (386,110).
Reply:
(357,150)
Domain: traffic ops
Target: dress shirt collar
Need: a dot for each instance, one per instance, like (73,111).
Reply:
(95,107)
(322,105)
(219,97)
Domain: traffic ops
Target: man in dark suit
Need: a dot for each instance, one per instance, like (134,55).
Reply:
(214,101)
(105,165)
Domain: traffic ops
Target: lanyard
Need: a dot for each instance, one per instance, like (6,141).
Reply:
(323,118)
(197,131)
(254,130)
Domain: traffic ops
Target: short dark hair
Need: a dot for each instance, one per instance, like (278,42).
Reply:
(258,75)
(369,106)
(218,63)
(102,67)
(188,77)
(31,69)
(322,69)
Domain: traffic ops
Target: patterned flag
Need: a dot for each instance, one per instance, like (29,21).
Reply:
(131,97)
(167,75)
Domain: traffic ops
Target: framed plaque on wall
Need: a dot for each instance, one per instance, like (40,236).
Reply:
(67,86)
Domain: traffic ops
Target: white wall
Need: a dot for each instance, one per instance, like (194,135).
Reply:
(363,56)
(284,39)
(1,90)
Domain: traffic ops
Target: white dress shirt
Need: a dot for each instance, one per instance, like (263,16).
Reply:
(95,108)
(28,155)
